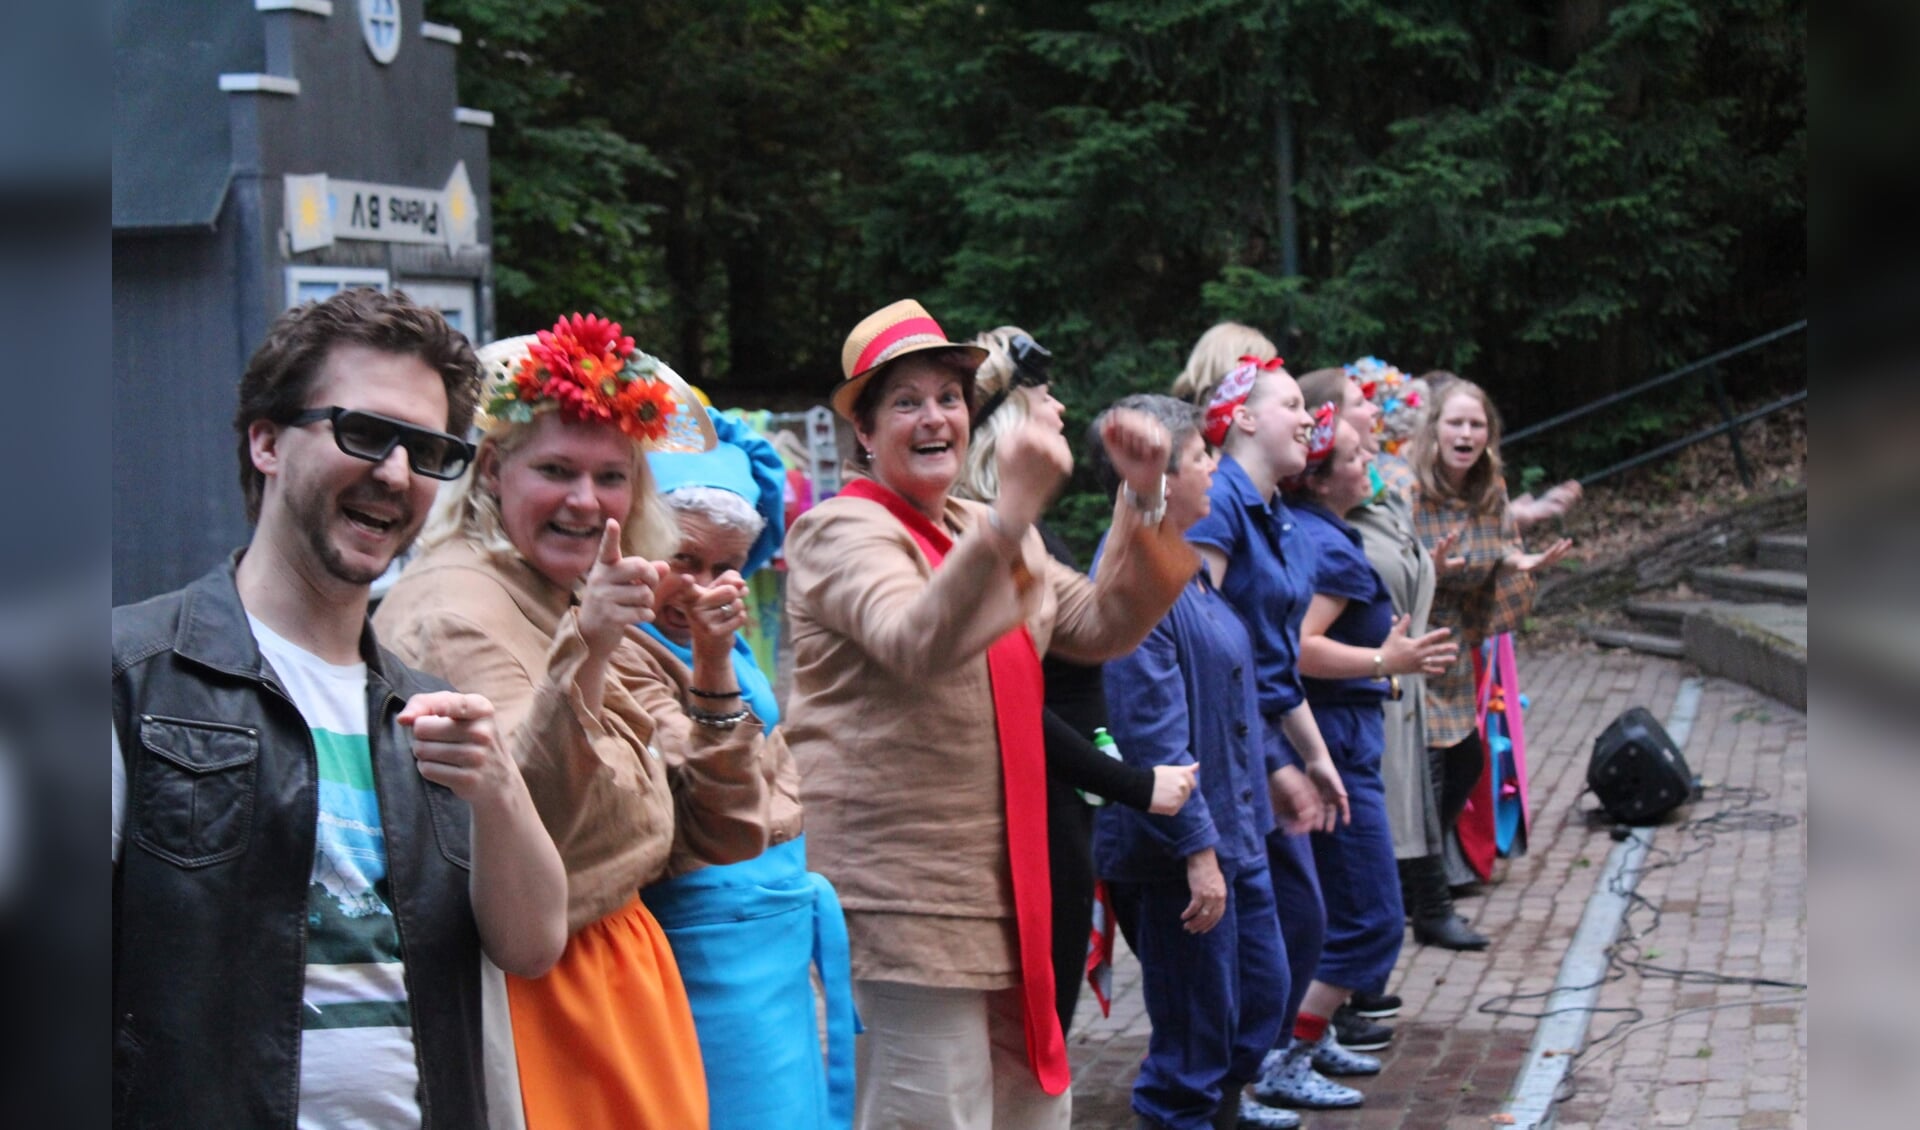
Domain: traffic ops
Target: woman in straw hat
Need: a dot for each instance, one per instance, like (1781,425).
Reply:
(918,621)
(536,567)
(1011,387)
(748,935)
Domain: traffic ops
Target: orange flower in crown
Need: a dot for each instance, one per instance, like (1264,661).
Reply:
(585,367)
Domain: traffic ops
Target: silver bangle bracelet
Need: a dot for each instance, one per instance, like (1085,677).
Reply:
(714,721)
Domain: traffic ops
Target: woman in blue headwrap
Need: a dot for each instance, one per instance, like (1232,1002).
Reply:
(746,934)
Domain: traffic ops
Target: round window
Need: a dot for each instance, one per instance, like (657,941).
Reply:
(380,24)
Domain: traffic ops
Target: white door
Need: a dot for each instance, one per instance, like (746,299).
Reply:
(454,300)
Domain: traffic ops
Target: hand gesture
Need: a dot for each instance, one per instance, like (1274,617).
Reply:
(1333,794)
(1428,655)
(1138,447)
(619,591)
(454,744)
(1444,561)
(1296,804)
(1172,785)
(1209,889)
(714,612)
(1528,562)
(1033,462)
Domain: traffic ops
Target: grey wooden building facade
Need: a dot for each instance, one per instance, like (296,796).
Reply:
(266,152)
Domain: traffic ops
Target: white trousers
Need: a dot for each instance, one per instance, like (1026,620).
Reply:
(947,1059)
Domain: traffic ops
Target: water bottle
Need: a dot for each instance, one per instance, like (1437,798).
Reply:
(1103,742)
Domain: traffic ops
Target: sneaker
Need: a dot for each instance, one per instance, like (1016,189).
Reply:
(1357,1033)
(1287,1078)
(1331,1057)
(1264,1117)
(1375,1005)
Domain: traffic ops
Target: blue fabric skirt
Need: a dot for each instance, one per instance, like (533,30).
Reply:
(745,936)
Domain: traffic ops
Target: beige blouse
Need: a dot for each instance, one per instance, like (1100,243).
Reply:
(891,716)
(631,793)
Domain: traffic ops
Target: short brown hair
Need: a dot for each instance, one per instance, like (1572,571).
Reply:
(281,372)
(1325,386)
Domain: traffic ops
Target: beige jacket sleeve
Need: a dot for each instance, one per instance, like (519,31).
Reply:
(864,578)
(1142,572)
(720,787)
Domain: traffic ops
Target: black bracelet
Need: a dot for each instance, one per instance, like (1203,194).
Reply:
(698,693)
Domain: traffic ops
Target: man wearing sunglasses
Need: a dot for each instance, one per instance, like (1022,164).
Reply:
(312,842)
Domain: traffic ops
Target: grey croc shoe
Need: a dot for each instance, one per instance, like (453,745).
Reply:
(1288,1079)
(1331,1057)
(1262,1117)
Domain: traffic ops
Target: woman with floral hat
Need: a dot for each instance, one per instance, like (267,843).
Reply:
(749,935)
(536,567)
(918,622)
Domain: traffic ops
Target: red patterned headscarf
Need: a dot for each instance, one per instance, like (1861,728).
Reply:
(1319,447)
(1232,392)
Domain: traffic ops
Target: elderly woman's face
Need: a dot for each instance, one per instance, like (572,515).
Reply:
(707,550)
(557,491)
(919,431)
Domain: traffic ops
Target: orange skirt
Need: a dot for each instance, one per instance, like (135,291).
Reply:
(606,1039)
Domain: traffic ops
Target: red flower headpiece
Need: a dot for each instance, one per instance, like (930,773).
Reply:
(1232,392)
(585,367)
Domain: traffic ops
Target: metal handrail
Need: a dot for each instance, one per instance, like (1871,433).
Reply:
(1697,437)
(1688,369)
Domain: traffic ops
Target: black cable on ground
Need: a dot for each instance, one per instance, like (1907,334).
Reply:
(1738,814)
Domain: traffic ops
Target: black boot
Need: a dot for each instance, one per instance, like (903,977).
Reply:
(1423,887)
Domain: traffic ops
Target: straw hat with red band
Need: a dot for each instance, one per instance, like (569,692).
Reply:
(1232,392)
(586,369)
(1326,419)
(886,335)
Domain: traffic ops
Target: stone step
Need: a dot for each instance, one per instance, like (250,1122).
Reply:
(1751,585)
(1781,551)
(1671,647)
(1761,645)
(1662,616)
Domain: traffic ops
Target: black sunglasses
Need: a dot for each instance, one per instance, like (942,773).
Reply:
(371,436)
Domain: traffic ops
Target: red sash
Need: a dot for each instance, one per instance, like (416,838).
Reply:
(1013,670)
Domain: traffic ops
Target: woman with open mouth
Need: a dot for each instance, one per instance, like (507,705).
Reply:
(918,623)
(537,565)
(1259,558)
(1462,514)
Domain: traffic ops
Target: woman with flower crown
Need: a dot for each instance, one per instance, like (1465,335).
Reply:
(537,565)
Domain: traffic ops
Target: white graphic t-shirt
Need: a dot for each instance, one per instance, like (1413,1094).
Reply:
(357,1065)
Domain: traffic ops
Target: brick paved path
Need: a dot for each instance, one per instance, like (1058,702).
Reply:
(1736,906)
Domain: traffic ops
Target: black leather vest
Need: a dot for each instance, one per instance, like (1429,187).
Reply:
(210,894)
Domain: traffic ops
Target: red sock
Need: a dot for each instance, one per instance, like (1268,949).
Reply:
(1308,1028)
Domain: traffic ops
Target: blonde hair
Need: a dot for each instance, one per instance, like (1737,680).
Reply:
(1483,489)
(1215,355)
(465,508)
(980,476)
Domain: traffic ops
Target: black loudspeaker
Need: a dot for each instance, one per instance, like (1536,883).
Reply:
(1637,771)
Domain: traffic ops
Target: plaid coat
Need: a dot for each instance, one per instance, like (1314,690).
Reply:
(1479,600)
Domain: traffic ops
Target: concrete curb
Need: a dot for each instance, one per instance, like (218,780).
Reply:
(1577,988)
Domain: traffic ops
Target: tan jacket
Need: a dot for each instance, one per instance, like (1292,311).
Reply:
(891,716)
(629,795)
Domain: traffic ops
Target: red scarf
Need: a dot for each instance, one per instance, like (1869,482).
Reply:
(1013,670)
